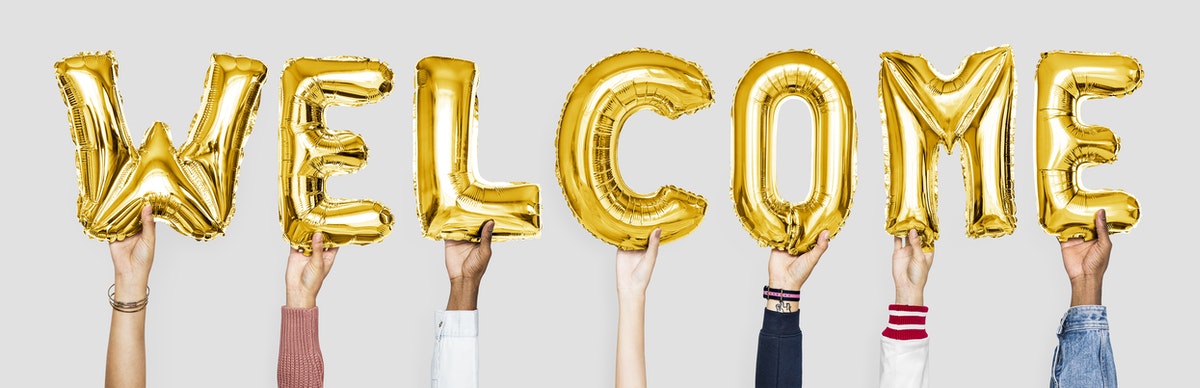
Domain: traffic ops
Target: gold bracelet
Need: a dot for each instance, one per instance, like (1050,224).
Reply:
(127,307)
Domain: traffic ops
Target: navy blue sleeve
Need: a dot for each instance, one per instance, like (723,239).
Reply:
(779,351)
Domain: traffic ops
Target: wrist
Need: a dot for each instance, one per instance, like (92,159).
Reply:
(785,284)
(910,297)
(464,295)
(297,299)
(126,289)
(631,297)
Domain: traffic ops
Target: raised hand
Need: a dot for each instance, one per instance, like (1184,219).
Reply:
(305,274)
(1086,261)
(635,267)
(910,269)
(465,264)
(132,259)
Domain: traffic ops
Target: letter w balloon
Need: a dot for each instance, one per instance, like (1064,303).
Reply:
(193,188)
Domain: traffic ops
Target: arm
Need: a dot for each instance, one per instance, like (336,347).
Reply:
(132,258)
(633,276)
(456,344)
(904,346)
(1084,355)
(778,363)
(300,362)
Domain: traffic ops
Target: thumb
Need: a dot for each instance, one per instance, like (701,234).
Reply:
(148,224)
(651,254)
(485,237)
(1102,227)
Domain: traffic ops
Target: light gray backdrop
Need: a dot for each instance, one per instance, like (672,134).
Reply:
(548,310)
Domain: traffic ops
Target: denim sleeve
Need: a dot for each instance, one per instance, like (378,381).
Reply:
(1083,358)
(778,362)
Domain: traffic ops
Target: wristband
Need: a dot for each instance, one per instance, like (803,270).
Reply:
(781,294)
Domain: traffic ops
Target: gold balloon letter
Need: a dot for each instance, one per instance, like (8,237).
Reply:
(452,200)
(766,86)
(922,109)
(191,189)
(311,152)
(1065,146)
(607,94)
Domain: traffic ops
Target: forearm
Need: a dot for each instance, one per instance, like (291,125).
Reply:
(126,360)
(631,352)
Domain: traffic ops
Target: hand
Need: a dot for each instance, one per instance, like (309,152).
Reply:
(465,263)
(635,267)
(1086,261)
(789,272)
(305,274)
(132,258)
(910,269)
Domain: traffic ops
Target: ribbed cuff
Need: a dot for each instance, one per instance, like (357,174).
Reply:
(780,324)
(298,333)
(906,322)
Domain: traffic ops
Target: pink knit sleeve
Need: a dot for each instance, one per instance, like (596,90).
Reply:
(300,362)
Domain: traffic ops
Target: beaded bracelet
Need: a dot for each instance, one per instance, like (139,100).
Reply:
(127,307)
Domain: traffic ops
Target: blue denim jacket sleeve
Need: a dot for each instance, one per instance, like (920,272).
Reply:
(1084,357)
(778,362)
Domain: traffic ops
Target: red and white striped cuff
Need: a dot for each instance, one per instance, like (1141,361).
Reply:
(906,322)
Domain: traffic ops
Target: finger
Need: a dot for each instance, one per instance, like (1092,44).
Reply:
(897,244)
(914,242)
(148,222)
(485,238)
(1102,227)
(330,256)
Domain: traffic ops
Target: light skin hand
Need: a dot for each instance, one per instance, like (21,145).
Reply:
(789,272)
(633,276)
(125,365)
(1086,261)
(910,269)
(465,264)
(635,267)
(305,274)
(132,258)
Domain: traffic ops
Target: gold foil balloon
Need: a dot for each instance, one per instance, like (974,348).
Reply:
(310,152)
(1065,145)
(452,200)
(192,189)
(762,91)
(922,109)
(606,95)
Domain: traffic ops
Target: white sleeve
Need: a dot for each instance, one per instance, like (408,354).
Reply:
(456,350)
(903,363)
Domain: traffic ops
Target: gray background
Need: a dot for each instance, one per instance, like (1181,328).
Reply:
(548,309)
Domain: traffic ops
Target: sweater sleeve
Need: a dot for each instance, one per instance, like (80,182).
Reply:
(779,351)
(904,349)
(300,362)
